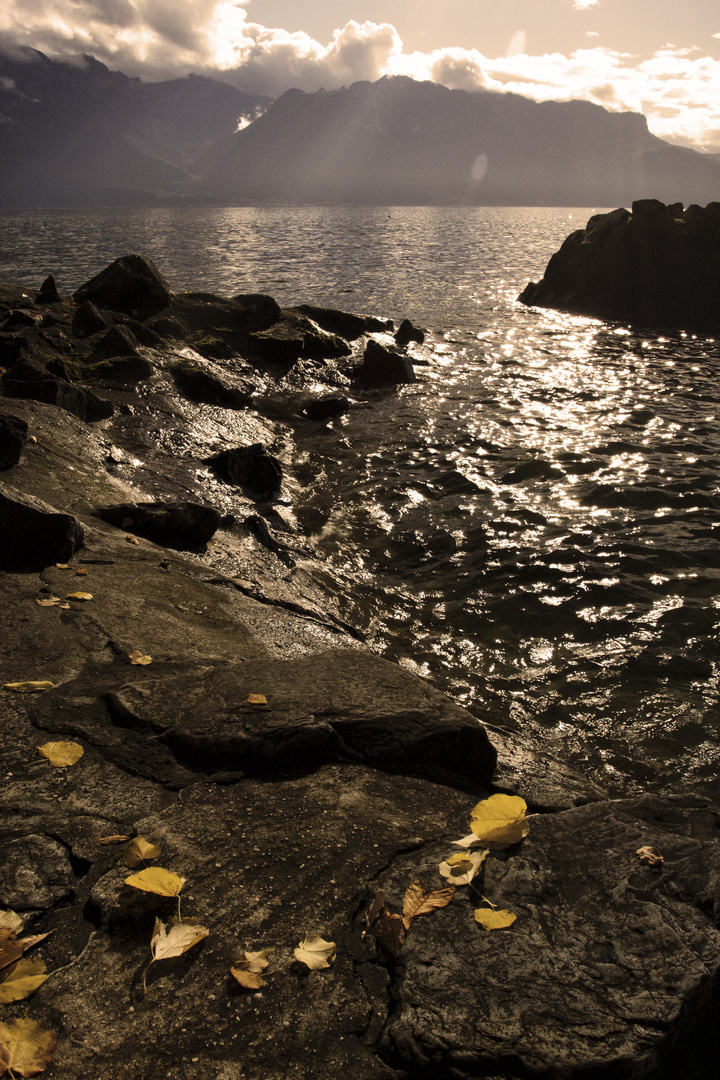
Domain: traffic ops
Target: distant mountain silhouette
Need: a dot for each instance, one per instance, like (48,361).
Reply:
(81,135)
(78,134)
(401,141)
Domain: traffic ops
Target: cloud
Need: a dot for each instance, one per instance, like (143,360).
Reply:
(583,5)
(677,89)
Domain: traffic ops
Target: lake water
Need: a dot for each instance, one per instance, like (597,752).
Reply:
(534,524)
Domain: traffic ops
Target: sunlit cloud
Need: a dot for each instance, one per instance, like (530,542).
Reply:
(678,90)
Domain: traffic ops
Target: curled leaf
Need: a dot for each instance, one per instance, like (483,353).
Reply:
(48,601)
(82,572)
(136,657)
(78,596)
(373,912)
(29,687)
(247,972)
(461,868)
(500,821)
(173,940)
(650,856)
(21,980)
(118,839)
(417,901)
(26,1047)
(494,920)
(61,754)
(156,880)
(132,539)
(257,699)
(139,850)
(315,952)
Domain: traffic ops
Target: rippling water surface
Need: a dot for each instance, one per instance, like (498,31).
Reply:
(534,524)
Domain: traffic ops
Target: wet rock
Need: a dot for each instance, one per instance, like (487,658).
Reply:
(653,267)
(339,705)
(12,348)
(185,526)
(209,313)
(380,367)
(207,385)
(34,535)
(261,312)
(88,320)
(131,284)
(20,318)
(35,873)
(118,371)
(609,963)
(117,341)
(249,467)
(406,333)
(13,436)
(48,293)
(326,407)
(29,379)
(344,323)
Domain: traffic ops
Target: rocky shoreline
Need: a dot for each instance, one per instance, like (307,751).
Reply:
(155,581)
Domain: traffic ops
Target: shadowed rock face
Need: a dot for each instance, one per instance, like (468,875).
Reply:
(657,267)
(132,284)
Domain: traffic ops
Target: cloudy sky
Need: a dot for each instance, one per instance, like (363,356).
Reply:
(654,56)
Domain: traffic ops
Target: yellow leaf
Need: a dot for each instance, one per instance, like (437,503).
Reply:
(169,941)
(49,601)
(132,539)
(156,880)
(494,920)
(26,1046)
(500,821)
(257,699)
(112,839)
(10,921)
(29,687)
(61,754)
(139,850)
(78,596)
(460,869)
(247,971)
(650,856)
(82,572)
(22,981)
(315,952)
(136,657)
(419,902)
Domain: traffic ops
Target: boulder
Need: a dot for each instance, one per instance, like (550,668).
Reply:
(609,970)
(117,341)
(209,313)
(208,386)
(341,705)
(131,284)
(12,347)
(249,467)
(184,526)
(118,371)
(655,267)
(406,333)
(344,323)
(326,407)
(88,320)
(48,293)
(31,380)
(13,436)
(34,535)
(381,367)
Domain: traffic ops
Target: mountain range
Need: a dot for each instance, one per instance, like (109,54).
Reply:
(82,135)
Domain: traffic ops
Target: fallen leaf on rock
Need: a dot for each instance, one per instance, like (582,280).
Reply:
(417,901)
(156,880)
(26,1047)
(650,856)
(81,573)
(460,869)
(389,932)
(500,821)
(62,566)
(61,754)
(10,949)
(136,657)
(78,596)
(494,920)
(315,952)
(112,839)
(49,601)
(470,841)
(175,939)
(9,920)
(140,850)
(29,687)
(257,699)
(21,980)
(373,912)
(132,539)
(247,971)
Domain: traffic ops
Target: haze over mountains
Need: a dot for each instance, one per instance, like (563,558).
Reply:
(81,135)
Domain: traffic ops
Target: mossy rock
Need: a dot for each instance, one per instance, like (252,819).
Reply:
(125,370)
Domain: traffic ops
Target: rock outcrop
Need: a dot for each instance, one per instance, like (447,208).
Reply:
(655,267)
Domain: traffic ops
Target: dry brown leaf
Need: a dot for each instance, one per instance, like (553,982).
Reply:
(650,856)
(26,1047)
(132,539)
(49,601)
(389,932)
(61,754)
(78,596)
(373,912)
(247,972)
(82,572)
(29,687)
(156,880)
(417,901)
(315,952)
(112,839)
(136,657)
(257,699)
(62,566)
(140,850)
(10,948)
(21,980)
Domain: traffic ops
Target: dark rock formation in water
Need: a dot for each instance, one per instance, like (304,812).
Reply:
(132,284)
(382,367)
(226,712)
(657,267)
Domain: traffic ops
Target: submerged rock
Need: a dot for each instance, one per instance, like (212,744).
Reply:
(655,267)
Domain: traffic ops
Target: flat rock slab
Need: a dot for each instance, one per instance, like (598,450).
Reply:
(609,965)
(342,704)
